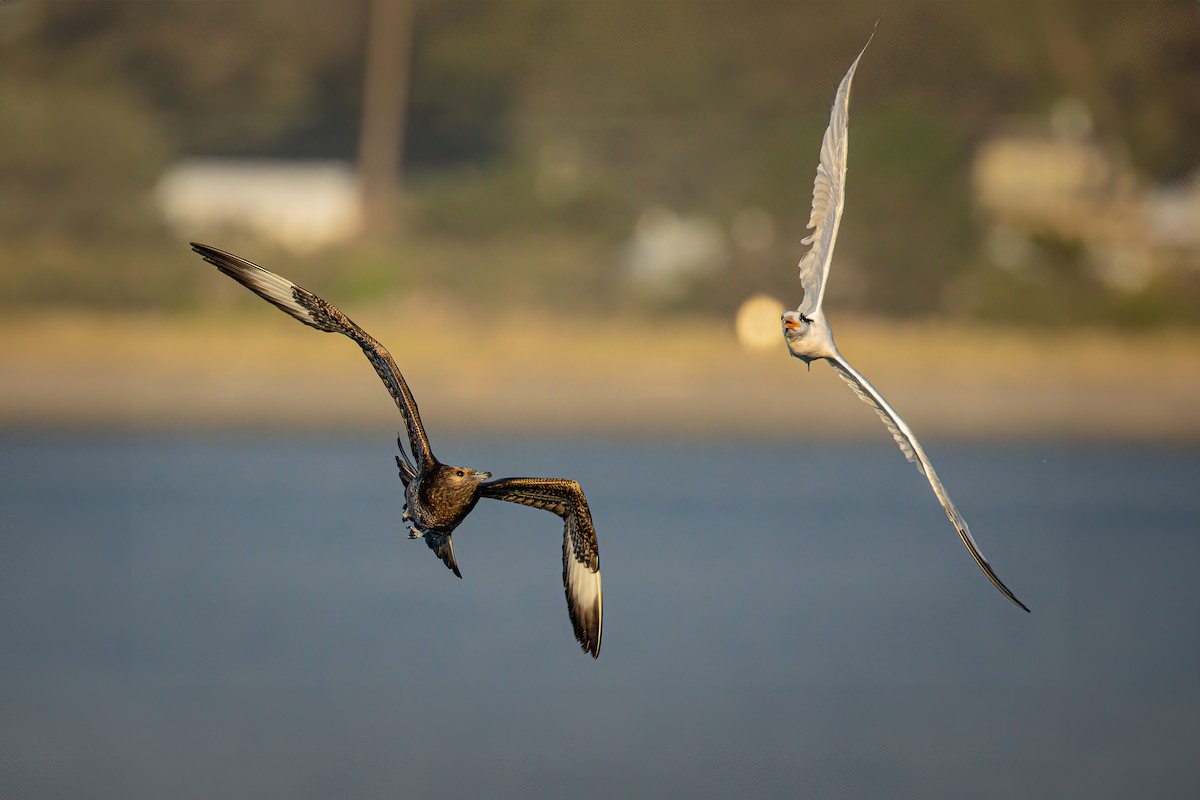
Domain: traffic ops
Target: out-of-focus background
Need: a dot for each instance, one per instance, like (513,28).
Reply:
(565,202)
(574,224)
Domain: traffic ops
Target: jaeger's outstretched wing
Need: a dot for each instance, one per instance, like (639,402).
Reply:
(581,553)
(914,452)
(317,313)
(829,198)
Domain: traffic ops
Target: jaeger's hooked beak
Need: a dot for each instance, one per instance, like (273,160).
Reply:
(483,476)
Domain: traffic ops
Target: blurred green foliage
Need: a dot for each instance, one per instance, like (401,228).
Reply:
(538,132)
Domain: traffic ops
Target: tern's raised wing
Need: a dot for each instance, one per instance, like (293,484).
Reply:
(317,313)
(581,552)
(829,197)
(913,451)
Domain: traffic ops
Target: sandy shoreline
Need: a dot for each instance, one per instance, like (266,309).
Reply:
(580,377)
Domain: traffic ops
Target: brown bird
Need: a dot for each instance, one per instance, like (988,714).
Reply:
(439,496)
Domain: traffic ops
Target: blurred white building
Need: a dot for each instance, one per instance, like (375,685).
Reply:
(1173,214)
(668,250)
(1053,177)
(299,205)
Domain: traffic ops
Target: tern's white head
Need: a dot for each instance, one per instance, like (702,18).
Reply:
(795,327)
(807,338)
(794,324)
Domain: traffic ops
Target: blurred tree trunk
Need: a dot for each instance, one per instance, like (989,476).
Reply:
(385,96)
(1070,56)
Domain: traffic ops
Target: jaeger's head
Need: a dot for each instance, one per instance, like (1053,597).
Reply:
(457,486)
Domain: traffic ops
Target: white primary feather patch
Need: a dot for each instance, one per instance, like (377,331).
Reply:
(584,592)
(580,550)
(563,497)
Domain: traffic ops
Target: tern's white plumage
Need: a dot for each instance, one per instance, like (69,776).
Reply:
(807,333)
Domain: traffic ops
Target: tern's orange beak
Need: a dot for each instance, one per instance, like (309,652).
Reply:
(790,323)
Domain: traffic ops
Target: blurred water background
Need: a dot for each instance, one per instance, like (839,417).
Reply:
(573,224)
(242,617)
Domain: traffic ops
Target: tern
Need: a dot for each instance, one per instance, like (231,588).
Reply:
(807,333)
(438,497)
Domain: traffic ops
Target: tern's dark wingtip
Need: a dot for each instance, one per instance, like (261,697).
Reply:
(874,28)
(1004,590)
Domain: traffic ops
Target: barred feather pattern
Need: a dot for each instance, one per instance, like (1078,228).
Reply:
(316,312)
(581,551)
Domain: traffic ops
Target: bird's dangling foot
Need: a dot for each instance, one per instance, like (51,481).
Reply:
(413,533)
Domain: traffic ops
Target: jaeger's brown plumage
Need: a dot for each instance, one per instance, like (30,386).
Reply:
(439,496)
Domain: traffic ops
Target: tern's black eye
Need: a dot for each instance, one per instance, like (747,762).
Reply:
(460,473)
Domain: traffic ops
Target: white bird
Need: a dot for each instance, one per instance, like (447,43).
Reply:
(807,333)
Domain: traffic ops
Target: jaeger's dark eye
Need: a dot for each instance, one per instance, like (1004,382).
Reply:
(460,473)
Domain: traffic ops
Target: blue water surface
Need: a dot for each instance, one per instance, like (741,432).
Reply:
(199,616)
